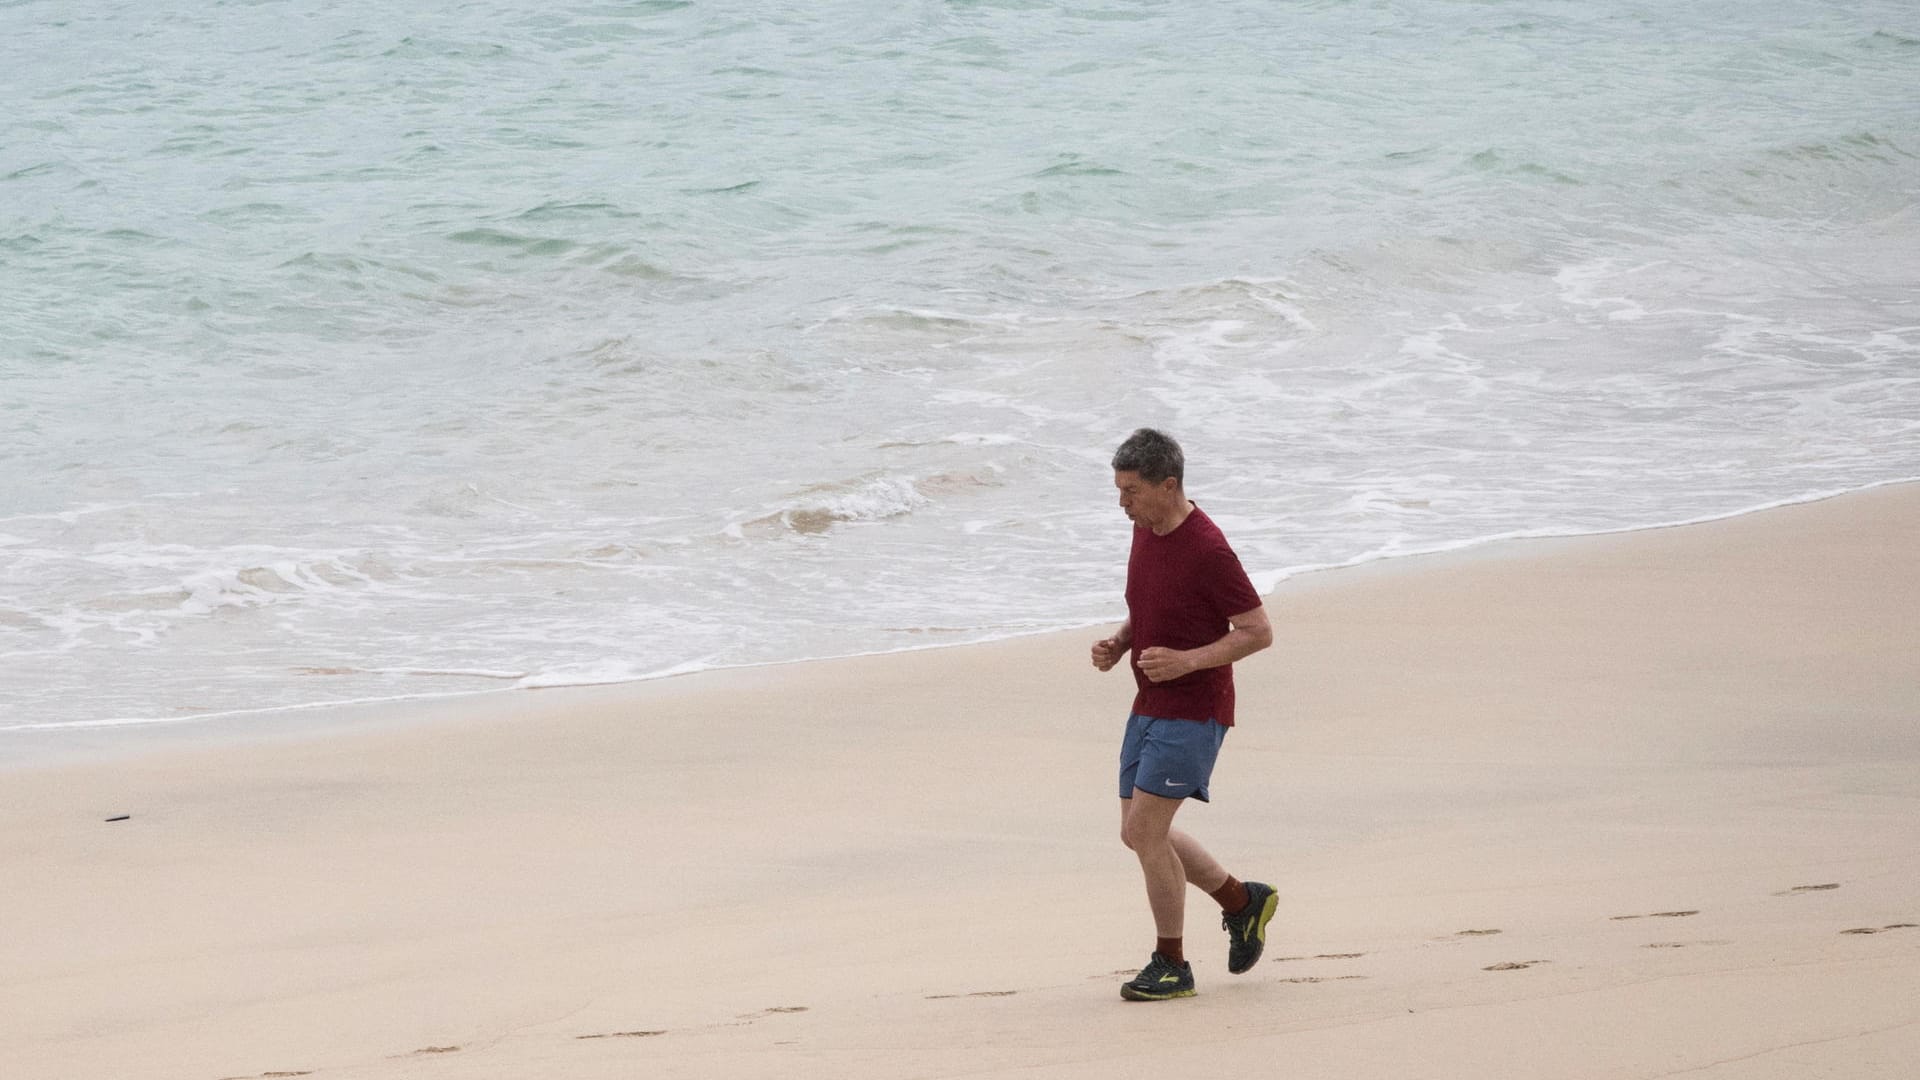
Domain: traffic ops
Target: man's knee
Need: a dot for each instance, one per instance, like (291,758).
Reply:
(1137,834)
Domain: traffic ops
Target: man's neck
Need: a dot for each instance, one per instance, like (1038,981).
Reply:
(1178,519)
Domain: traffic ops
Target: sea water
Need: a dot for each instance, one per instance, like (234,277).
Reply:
(353,350)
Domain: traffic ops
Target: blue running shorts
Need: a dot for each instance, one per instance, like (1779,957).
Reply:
(1170,758)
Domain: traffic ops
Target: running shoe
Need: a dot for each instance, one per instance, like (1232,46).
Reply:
(1159,980)
(1247,928)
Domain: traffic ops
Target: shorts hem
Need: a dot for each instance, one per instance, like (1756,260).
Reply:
(1200,795)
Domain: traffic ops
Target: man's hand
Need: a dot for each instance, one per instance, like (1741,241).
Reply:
(1107,652)
(1161,665)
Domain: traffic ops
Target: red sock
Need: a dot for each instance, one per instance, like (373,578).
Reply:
(1231,896)
(1169,947)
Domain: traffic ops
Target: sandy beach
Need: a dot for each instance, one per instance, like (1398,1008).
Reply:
(1631,806)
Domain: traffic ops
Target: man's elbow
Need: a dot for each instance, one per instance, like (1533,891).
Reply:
(1258,637)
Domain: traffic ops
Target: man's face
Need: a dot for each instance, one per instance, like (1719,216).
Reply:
(1147,503)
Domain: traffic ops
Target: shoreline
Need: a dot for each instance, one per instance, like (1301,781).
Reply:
(1268,582)
(1645,796)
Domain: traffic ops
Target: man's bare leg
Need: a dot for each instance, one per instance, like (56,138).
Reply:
(1146,826)
(1170,860)
(1202,870)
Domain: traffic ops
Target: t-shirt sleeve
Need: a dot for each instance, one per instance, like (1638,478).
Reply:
(1228,590)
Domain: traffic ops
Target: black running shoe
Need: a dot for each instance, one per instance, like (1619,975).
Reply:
(1247,928)
(1159,980)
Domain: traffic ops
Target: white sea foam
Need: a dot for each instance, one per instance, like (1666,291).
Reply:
(823,506)
(967,438)
(607,673)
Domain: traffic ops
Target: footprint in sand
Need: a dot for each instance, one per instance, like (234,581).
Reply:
(622,1035)
(1680,944)
(773,1010)
(1476,933)
(1320,978)
(1808,888)
(987,993)
(435,1050)
(1881,929)
(739,1021)
(1515,965)
(1657,915)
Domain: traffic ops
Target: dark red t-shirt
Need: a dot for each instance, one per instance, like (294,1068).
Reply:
(1181,588)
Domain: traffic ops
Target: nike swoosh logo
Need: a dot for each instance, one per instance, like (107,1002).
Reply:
(1174,783)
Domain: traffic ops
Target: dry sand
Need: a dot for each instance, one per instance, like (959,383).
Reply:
(1621,806)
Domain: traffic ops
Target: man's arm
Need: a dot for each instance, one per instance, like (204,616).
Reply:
(1108,651)
(1249,634)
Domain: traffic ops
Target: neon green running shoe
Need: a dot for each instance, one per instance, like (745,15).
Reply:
(1160,980)
(1247,928)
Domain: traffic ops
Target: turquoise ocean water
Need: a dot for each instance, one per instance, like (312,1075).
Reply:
(353,350)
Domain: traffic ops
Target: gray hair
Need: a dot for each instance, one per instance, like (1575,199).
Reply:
(1152,454)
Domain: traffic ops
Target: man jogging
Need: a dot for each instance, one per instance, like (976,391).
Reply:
(1191,612)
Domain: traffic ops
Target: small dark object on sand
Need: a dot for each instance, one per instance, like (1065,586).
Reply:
(122,817)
